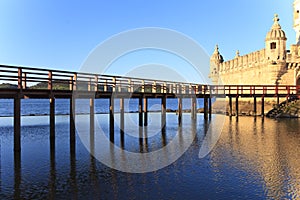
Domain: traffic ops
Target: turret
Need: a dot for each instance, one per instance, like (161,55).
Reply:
(276,43)
(296,6)
(215,60)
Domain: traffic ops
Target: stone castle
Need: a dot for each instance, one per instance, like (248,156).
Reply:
(269,66)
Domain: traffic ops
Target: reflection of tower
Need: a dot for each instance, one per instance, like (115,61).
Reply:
(297,20)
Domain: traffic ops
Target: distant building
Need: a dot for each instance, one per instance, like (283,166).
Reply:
(269,66)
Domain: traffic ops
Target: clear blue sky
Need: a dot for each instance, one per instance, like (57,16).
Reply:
(60,34)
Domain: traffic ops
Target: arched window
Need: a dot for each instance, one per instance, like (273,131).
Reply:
(273,45)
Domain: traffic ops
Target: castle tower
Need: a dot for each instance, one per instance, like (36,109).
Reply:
(276,50)
(215,60)
(276,43)
(296,6)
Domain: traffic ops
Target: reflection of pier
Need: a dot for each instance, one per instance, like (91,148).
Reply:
(53,84)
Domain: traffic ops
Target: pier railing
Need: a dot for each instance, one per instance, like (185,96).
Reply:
(26,78)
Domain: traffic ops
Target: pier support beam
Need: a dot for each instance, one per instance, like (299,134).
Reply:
(140,111)
(230,106)
(145,111)
(111,119)
(237,106)
(205,108)
(72,124)
(163,113)
(17,123)
(92,117)
(179,111)
(52,120)
(262,106)
(255,106)
(209,107)
(122,118)
(194,108)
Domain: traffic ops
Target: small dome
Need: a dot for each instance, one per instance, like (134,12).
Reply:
(216,56)
(276,32)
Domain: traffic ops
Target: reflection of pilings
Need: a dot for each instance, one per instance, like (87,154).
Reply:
(94,178)
(163,113)
(122,120)
(179,111)
(73,181)
(141,111)
(146,139)
(17,123)
(52,181)
(141,138)
(145,111)
(72,123)
(111,119)
(17,175)
(52,118)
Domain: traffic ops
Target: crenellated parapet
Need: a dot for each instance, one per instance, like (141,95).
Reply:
(244,62)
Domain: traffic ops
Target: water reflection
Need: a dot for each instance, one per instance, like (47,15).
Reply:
(253,158)
(17,175)
(269,151)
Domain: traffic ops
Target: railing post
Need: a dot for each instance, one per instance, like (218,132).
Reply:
(96,83)
(20,78)
(50,86)
(105,86)
(114,84)
(143,86)
(129,85)
(75,82)
(154,87)
(24,81)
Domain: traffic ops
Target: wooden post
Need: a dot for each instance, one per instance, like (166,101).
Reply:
(17,123)
(140,111)
(122,118)
(72,124)
(237,106)
(194,108)
(209,107)
(262,106)
(230,106)
(92,117)
(255,106)
(205,108)
(180,111)
(111,119)
(50,86)
(24,81)
(52,119)
(163,112)
(145,111)
(20,79)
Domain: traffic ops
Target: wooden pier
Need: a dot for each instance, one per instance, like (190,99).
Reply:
(54,84)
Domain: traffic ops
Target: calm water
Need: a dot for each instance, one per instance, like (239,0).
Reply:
(254,158)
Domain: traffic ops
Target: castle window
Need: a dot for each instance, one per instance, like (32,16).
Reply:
(273,45)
